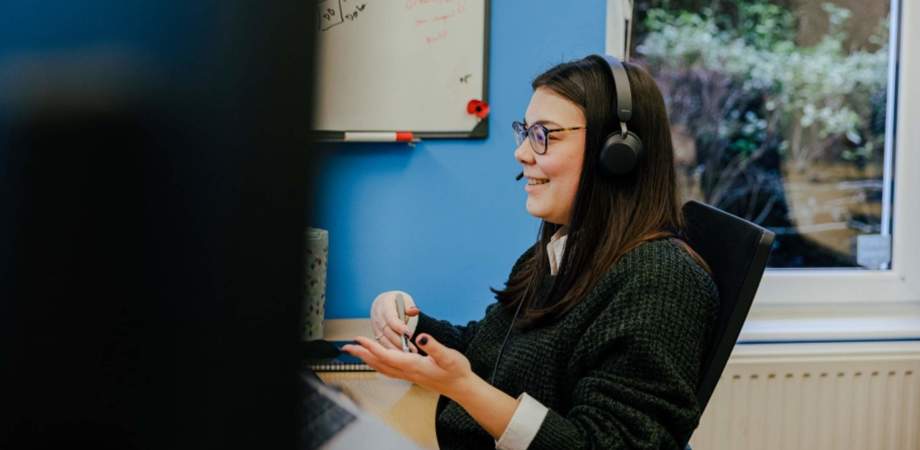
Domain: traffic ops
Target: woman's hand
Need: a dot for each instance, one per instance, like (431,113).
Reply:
(444,370)
(385,320)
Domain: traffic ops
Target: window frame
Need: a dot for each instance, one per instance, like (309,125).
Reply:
(784,290)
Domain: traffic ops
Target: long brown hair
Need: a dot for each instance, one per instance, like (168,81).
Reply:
(611,215)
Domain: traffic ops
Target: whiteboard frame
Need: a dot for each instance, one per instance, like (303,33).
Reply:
(480,131)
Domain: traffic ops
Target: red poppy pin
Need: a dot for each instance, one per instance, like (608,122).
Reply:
(478,108)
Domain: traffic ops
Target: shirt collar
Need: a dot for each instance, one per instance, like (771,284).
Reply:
(556,248)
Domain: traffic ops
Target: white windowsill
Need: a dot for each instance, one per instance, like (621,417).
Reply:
(842,322)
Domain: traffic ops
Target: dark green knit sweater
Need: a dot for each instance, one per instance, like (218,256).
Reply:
(618,371)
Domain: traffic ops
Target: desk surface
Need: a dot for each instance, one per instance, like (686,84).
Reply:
(407,408)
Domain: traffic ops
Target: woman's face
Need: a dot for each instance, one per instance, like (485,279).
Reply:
(552,178)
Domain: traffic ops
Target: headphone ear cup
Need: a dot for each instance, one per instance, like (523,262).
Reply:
(620,154)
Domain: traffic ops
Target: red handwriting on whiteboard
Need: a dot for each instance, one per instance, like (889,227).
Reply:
(429,17)
(440,35)
(413,3)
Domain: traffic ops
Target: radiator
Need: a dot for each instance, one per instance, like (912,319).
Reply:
(816,397)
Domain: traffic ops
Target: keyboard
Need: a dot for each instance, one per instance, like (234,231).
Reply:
(322,417)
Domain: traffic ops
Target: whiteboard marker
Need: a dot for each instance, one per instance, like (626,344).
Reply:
(379,136)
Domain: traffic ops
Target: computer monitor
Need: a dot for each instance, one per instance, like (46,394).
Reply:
(155,177)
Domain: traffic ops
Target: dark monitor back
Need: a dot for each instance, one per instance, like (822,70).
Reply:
(154,177)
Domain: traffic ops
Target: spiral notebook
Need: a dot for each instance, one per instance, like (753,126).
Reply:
(326,356)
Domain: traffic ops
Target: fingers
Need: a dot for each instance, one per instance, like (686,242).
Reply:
(371,360)
(398,346)
(381,311)
(384,315)
(393,320)
(434,349)
(379,329)
(397,325)
(387,356)
(398,362)
(391,340)
(380,334)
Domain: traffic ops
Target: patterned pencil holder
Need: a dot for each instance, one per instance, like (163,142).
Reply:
(316,254)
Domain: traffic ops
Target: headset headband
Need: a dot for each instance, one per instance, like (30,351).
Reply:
(621,84)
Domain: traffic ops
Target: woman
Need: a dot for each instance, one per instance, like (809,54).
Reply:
(598,337)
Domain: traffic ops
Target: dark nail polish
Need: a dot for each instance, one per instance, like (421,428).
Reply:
(423,340)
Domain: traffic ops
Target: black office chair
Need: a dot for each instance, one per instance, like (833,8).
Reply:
(736,251)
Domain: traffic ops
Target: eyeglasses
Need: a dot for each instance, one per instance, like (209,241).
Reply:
(538,134)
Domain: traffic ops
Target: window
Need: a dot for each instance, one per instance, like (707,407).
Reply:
(787,113)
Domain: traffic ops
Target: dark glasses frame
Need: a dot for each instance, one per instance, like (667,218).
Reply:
(538,134)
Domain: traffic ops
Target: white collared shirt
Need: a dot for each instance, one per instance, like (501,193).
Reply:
(555,249)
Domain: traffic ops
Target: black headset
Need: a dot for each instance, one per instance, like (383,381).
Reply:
(622,149)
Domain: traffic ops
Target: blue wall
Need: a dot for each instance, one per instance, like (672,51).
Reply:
(445,220)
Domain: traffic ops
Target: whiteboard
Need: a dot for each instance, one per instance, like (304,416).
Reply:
(401,65)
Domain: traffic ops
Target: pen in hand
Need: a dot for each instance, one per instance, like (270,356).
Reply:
(401,310)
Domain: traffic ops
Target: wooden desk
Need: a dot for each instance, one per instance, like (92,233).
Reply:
(407,408)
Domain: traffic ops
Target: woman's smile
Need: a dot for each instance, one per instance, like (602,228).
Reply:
(535,184)
(537,180)
(532,183)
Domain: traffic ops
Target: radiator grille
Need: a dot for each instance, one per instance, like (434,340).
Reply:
(836,403)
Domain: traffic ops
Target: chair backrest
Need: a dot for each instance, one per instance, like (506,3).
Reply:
(736,251)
